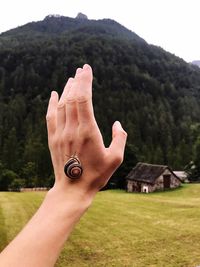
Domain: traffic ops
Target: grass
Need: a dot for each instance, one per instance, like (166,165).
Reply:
(121,229)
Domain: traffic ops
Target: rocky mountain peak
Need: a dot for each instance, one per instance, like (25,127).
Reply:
(81,16)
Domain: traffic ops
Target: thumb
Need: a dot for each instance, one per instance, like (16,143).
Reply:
(118,143)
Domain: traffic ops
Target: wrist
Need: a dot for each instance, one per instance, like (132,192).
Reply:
(65,198)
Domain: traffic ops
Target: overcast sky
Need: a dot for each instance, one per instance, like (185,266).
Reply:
(171,24)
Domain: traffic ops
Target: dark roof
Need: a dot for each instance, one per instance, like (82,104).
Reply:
(148,173)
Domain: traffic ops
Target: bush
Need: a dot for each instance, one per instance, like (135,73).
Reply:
(6,178)
(17,184)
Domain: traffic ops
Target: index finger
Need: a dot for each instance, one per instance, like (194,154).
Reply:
(68,85)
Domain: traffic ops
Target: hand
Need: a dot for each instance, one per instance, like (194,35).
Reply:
(72,130)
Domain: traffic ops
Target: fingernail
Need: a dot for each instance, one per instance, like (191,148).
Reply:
(86,66)
(118,124)
(79,70)
(53,93)
(70,79)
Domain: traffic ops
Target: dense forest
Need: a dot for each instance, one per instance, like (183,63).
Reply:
(154,94)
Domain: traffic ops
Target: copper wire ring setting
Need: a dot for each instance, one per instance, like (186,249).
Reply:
(73,168)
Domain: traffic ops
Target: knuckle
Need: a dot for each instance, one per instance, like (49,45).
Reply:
(125,133)
(87,133)
(70,99)
(49,117)
(61,105)
(57,142)
(62,142)
(118,159)
(69,138)
(52,142)
(81,99)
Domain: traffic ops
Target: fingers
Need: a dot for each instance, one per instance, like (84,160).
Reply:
(118,143)
(77,97)
(51,116)
(84,95)
(75,105)
(71,123)
(61,114)
(66,90)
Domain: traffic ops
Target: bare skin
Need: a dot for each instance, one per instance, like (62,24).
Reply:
(72,129)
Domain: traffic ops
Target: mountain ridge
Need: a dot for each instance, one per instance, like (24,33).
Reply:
(56,25)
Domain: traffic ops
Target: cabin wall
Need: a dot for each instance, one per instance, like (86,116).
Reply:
(174,181)
(135,186)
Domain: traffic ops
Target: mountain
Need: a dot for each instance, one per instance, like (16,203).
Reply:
(54,25)
(155,94)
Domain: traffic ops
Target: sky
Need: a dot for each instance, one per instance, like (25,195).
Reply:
(170,24)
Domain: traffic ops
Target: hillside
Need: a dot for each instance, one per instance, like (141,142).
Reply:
(153,93)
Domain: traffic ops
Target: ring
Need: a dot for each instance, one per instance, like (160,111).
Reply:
(73,168)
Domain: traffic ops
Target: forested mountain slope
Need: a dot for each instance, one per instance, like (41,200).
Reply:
(154,94)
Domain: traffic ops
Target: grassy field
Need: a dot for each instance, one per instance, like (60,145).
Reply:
(121,229)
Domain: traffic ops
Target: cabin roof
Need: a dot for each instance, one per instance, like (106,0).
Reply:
(145,172)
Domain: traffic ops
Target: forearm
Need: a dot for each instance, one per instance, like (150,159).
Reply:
(42,239)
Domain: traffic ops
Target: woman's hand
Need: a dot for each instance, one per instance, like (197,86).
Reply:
(73,131)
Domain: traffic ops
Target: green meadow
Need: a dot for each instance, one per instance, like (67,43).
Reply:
(121,229)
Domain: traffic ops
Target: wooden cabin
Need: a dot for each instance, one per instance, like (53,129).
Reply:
(182,175)
(148,178)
